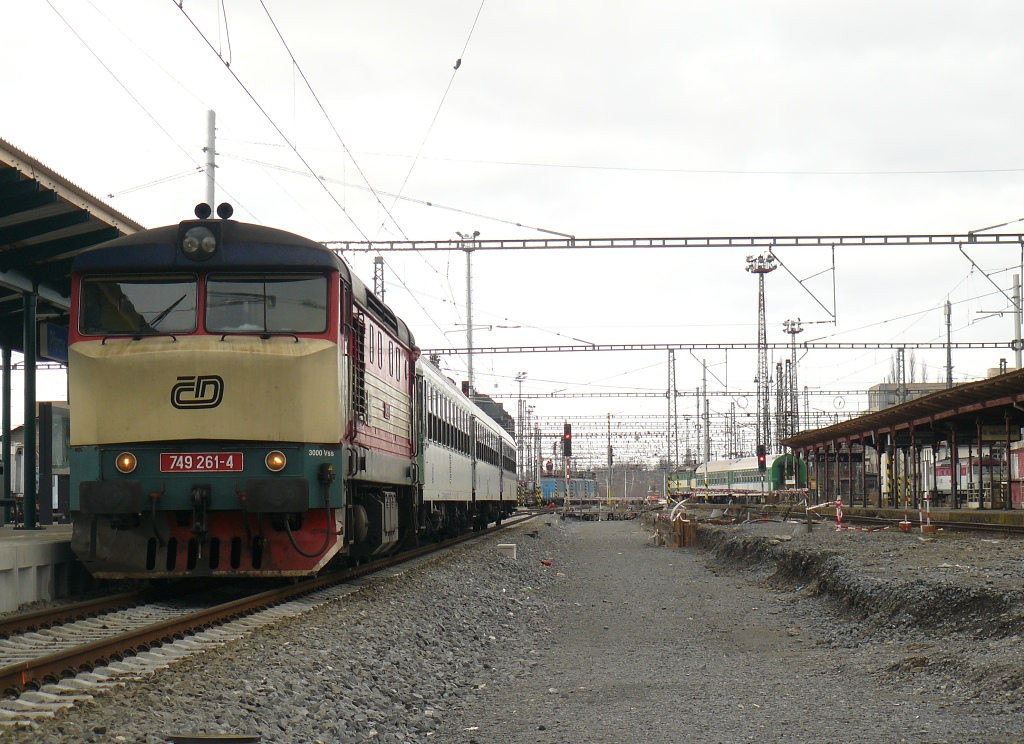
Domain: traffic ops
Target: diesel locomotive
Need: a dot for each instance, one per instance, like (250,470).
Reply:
(244,405)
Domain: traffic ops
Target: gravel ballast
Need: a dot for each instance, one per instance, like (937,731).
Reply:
(594,634)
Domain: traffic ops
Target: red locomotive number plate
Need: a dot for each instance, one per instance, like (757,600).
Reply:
(200,462)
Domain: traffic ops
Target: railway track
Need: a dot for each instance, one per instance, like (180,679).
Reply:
(894,523)
(52,658)
(825,514)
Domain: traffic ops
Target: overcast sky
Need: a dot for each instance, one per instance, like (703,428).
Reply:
(342,120)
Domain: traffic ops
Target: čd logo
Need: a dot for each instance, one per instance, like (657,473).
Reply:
(204,391)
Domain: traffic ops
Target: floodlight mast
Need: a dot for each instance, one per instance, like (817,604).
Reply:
(761,265)
(520,430)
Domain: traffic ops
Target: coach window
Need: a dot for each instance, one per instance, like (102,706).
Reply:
(266,303)
(431,413)
(440,417)
(435,426)
(109,305)
(448,422)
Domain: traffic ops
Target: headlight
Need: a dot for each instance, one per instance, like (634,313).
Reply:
(276,461)
(199,243)
(126,462)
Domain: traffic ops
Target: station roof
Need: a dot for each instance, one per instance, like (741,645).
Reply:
(990,402)
(45,220)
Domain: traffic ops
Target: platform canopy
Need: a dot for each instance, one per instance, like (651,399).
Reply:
(990,409)
(45,220)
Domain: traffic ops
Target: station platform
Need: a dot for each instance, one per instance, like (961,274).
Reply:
(38,565)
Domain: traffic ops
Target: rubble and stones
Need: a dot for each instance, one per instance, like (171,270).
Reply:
(766,633)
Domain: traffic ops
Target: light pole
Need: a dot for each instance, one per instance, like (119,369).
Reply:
(469,303)
(761,265)
(520,376)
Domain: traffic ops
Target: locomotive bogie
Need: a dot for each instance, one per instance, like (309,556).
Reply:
(164,545)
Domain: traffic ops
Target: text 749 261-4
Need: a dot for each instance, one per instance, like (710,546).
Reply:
(200,462)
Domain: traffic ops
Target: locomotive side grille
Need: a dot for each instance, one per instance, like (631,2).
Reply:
(359,407)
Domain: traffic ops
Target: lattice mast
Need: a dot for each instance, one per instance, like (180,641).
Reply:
(378,276)
(901,375)
(672,443)
(780,402)
(793,327)
(761,265)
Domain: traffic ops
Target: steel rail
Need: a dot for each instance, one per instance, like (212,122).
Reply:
(50,617)
(950,526)
(825,517)
(33,673)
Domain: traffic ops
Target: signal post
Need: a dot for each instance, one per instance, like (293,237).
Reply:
(567,454)
(762,465)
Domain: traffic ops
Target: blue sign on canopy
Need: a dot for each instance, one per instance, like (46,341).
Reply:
(53,342)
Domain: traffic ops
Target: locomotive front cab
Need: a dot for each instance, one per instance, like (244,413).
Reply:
(208,384)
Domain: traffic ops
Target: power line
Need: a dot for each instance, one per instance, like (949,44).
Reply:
(267,116)
(330,123)
(718,171)
(697,171)
(134,98)
(157,182)
(123,86)
(410,199)
(148,56)
(444,96)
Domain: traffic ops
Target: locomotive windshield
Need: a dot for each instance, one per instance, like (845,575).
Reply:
(266,303)
(137,305)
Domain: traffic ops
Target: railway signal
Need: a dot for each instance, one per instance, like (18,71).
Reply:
(762,460)
(567,441)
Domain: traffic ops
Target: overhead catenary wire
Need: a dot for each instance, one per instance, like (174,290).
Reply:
(442,121)
(723,171)
(142,50)
(157,182)
(397,196)
(456,306)
(699,171)
(280,132)
(124,87)
(440,105)
(269,118)
(199,168)
(297,67)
